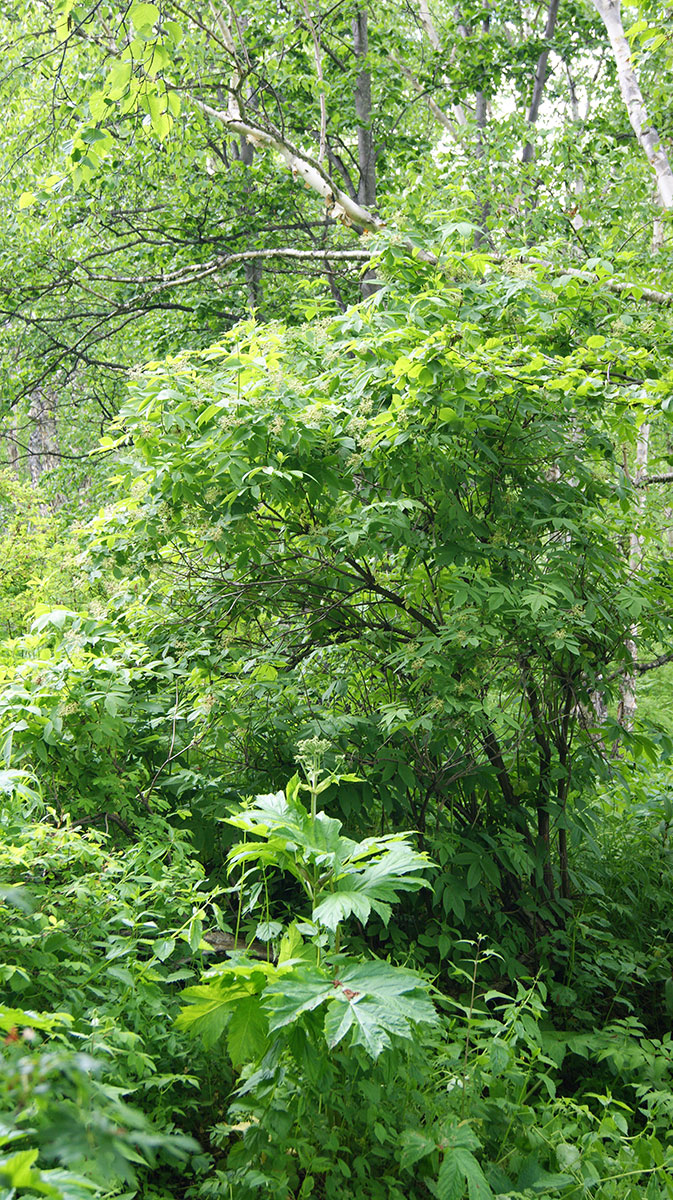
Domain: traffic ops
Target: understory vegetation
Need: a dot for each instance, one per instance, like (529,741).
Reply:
(336,739)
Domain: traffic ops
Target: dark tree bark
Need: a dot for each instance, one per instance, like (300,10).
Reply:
(366,149)
(540,76)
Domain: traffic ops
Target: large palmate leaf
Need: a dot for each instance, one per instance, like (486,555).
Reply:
(371,1024)
(210,1007)
(342,878)
(344,902)
(247,1032)
(373,1001)
(371,877)
(291,836)
(307,989)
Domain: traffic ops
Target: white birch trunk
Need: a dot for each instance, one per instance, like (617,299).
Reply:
(648,138)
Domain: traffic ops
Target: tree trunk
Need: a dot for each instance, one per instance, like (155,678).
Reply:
(481,117)
(42,444)
(540,77)
(244,151)
(366,151)
(627,703)
(481,120)
(648,138)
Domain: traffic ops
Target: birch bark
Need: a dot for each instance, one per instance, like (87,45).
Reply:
(648,138)
(339,204)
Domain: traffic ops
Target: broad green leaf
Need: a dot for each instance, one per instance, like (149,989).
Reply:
(302,992)
(415,1146)
(19,1018)
(459,1137)
(164,948)
(143,15)
(18,1169)
(477,1186)
(372,1024)
(450,1179)
(338,905)
(247,1031)
(195,933)
(210,1005)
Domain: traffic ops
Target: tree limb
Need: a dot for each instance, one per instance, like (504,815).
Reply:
(339,204)
(667,477)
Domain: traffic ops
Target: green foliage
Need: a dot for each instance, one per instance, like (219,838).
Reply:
(430,520)
(92,1076)
(372,1002)
(306,1017)
(406,544)
(38,555)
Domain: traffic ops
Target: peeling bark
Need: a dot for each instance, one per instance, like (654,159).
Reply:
(340,205)
(426,19)
(648,138)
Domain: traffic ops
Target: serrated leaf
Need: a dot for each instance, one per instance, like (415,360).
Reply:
(477,1185)
(195,933)
(210,1006)
(371,1025)
(459,1137)
(415,1146)
(164,948)
(247,1032)
(339,1018)
(335,907)
(450,1180)
(291,944)
(305,991)
(18,1169)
